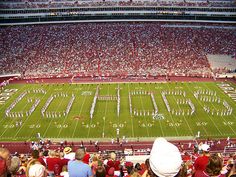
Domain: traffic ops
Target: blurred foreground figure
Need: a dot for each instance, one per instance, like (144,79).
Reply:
(165,160)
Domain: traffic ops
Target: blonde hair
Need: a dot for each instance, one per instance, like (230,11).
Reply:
(79,154)
(52,153)
(113,156)
(95,158)
(135,174)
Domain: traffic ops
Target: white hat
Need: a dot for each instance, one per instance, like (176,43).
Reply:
(36,170)
(165,158)
(204,147)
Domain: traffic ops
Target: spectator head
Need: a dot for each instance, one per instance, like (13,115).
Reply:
(79,154)
(165,159)
(35,169)
(138,166)
(130,167)
(214,165)
(100,172)
(143,167)
(4,153)
(232,170)
(15,164)
(52,153)
(135,174)
(23,159)
(204,148)
(129,164)
(113,156)
(35,154)
(67,150)
(5,160)
(45,153)
(95,158)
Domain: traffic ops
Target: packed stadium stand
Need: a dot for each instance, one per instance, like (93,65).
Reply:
(113,49)
(22,4)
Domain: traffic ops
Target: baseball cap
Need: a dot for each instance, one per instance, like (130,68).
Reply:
(67,150)
(204,147)
(165,159)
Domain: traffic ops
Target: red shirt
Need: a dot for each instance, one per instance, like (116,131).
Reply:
(54,162)
(86,158)
(3,167)
(200,173)
(201,163)
(114,164)
(40,159)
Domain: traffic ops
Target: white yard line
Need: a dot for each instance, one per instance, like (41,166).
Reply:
(103,129)
(81,108)
(145,116)
(132,123)
(103,116)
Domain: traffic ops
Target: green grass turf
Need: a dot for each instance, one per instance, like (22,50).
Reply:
(79,125)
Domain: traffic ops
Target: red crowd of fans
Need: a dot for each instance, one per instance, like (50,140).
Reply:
(166,159)
(113,48)
(65,3)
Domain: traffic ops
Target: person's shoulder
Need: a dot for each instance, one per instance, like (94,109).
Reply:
(3,166)
(117,161)
(65,161)
(85,164)
(71,162)
(223,175)
(202,157)
(37,166)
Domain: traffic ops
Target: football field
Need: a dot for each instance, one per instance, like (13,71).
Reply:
(108,110)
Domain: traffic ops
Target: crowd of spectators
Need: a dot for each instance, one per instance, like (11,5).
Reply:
(166,159)
(24,4)
(112,48)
